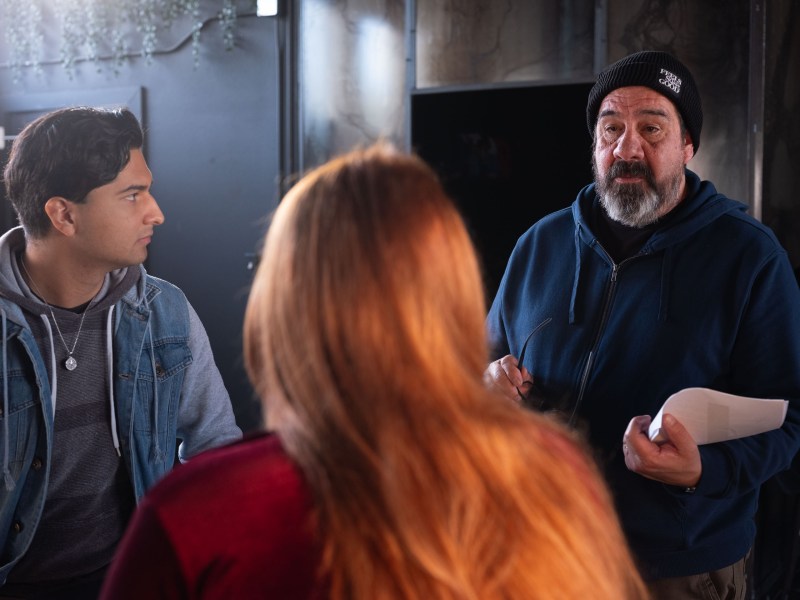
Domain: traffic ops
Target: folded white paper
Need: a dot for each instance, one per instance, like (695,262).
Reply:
(712,416)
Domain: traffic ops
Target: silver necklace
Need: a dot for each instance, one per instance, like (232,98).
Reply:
(70,364)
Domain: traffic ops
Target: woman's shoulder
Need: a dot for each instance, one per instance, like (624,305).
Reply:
(240,518)
(233,475)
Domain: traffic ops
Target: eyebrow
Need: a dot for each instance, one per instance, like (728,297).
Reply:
(655,112)
(134,188)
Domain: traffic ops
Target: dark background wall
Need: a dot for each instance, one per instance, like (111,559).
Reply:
(212,142)
(504,159)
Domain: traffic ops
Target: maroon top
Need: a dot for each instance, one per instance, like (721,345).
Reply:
(233,522)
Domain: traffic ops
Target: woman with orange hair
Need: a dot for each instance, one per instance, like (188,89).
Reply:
(392,472)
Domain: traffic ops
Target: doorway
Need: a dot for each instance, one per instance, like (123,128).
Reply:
(507,156)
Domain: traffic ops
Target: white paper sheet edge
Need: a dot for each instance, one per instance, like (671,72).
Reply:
(712,416)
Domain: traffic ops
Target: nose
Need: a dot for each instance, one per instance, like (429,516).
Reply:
(154,214)
(629,146)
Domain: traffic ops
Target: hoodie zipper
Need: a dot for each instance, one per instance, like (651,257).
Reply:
(600,329)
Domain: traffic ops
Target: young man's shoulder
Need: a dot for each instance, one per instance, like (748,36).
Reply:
(161,284)
(153,291)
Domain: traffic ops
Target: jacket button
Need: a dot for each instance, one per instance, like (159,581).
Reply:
(36,464)
(16,527)
(160,371)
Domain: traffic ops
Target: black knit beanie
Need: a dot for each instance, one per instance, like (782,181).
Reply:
(659,71)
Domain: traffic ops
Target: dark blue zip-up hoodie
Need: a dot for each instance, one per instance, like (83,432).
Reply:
(709,301)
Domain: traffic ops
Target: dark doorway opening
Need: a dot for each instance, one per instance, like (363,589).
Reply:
(508,156)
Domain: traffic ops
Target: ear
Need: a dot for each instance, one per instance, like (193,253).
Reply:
(688,149)
(62,215)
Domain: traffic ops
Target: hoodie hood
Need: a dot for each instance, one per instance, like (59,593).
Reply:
(14,287)
(702,205)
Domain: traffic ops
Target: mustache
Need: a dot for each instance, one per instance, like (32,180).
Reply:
(629,168)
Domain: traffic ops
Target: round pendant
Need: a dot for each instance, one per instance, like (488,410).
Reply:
(70,364)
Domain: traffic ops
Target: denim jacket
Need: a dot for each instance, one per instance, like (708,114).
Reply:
(165,387)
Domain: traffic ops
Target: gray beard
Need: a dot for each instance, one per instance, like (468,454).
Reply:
(635,204)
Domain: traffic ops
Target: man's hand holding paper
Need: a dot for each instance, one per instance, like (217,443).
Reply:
(675,462)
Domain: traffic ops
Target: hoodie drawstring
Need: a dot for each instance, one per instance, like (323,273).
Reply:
(110,358)
(575,284)
(53,371)
(666,273)
(7,478)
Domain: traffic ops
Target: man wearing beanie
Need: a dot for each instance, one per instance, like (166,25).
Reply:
(652,282)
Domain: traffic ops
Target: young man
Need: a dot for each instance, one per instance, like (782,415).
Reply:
(650,283)
(104,367)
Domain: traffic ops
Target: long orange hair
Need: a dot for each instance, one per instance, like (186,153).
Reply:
(364,337)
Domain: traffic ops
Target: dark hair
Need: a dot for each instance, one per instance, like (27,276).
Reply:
(67,153)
